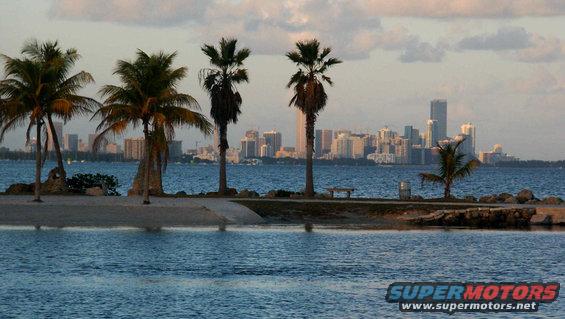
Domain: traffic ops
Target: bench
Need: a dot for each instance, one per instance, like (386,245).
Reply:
(340,190)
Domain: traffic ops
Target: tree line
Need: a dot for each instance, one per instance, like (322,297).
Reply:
(40,86)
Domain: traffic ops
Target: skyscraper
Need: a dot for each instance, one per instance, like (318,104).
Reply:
(175,150)
(300,134)
(59,131)
(70,142)
(438,112)
(431,133)
(470,130)
(274,140)
(134,148)
(248,147)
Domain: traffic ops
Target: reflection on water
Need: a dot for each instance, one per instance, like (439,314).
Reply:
(254,272)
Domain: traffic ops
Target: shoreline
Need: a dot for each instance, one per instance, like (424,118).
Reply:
(168,212)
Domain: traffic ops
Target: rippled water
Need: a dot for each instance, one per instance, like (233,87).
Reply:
(368,181)
(242,273)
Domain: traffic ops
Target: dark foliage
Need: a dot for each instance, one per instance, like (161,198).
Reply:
(80,182)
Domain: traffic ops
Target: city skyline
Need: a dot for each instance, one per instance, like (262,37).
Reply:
(500,68)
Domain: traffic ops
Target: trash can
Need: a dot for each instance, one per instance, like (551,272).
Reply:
(404,190)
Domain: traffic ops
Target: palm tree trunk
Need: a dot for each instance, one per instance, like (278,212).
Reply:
(57,147)
(37,187)
(147,165)
(309,188)
(223,185)
(447,191)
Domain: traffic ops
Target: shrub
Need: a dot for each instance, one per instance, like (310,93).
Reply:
(80,182)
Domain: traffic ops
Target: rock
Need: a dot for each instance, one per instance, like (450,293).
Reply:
(502,197)
(489,199)
(524,196)
(552,200)
(541,219)
(181,193)
(511,200)
(470,199)
(532,201)
(54,183)
(94,191)
(247,194)
(19,188)
(417,198)
(231,192)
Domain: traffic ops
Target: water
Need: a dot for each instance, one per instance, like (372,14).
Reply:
(368,181)
(242,273)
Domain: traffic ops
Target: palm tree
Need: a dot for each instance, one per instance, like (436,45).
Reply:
(220,83)
(309,94)
(451,167)
(62,99)
(148,98)
(23,91)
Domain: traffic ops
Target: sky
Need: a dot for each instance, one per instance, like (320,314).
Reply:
(499,63)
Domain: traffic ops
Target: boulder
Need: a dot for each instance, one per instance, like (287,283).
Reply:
(489,199)
(511,200)
(417,198)
(54,183)
(470,199)
(247,194)
(19,188)
(541,219)
(532,201)
(502,197)
(181,193)
(552,200)
(94,191)
(524,196)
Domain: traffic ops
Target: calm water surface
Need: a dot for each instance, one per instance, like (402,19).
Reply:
(246,273)
(369,181)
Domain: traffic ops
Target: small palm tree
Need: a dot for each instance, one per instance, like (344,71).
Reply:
(148,98)
(309,94)
(62,99)
(220,81)
(23,91)
(451,167)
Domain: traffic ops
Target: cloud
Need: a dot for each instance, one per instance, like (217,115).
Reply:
(518,44)
(505,38)
(539,82)
(352,28)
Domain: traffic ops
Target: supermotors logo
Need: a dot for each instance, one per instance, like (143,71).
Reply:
(451,297)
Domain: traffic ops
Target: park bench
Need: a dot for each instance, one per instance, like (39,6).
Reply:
(340,190)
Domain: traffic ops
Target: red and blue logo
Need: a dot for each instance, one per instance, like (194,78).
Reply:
(454,297)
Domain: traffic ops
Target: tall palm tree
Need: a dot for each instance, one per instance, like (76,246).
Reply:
(220,82)
(23,91)
(148,97)
(62,99)
(451,167)
(309,94)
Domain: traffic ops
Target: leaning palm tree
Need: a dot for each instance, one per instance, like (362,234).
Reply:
(148,98)
(22,92)
(451,167)
(309,94)
(220,81)
(62,99)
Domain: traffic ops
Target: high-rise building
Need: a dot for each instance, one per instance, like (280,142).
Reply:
(323,142)
(300,134)
(470,130)
(91,138)
(70,142)
(113,148)
(274,140)
(134,148)
(59,131)
(438,112)
(432,135)
(413,134)
(175,149)
(248,147)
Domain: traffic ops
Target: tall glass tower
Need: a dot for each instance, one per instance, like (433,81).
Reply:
(438,112)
